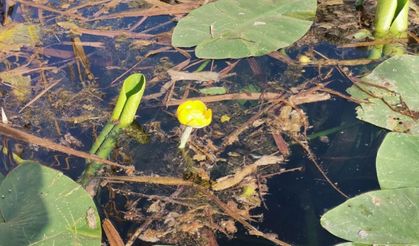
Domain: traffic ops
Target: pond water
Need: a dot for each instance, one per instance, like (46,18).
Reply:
(295,200)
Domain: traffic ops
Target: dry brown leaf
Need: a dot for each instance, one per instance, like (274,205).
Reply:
(192,227)
(151,235)
(154,207)
(290,120)
(111,233)
(232,180)
(229,226)
(199,76)
(69,140)
(199,157)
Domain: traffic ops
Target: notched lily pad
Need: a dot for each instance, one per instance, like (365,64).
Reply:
(41,206)
(241,28)
(391,94)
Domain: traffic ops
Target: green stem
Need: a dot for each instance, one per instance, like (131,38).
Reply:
(391,21)
(103,150)
(123,115)
(384,15)
(185,137)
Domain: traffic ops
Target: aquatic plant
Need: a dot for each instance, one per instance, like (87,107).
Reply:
(123,115)
(236,29)
(389,95)
(192,114)
(41,206)
(389,215)
(391,22)
(391,18)
(386,216)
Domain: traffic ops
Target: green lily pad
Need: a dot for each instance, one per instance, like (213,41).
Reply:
(391,94)
(398,161)
(377,217)
(42,206)
(242,28)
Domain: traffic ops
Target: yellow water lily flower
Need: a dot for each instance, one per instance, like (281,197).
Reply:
(194,114)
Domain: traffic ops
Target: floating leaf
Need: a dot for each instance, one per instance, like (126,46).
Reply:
(213,90)
(398,161)
(377,217)
(392,91)
(241,28)
(41,206)
(14,36)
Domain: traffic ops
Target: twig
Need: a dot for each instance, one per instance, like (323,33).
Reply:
(87,4)
(269,96)
(211,197)
(227,97)
(149,220)
(157,198)
(349,98)
(126,72)
(312,157)
(46,143)
(178,9)
(150,53)
(141,21)
(283,171)
(53,10)
(105,33)
(252,230)
(111,233)
(151,180)
(333,62)
(234,136)
(39,95)
(232,180)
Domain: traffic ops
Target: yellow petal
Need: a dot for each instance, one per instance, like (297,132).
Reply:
(192,104)
(194,114)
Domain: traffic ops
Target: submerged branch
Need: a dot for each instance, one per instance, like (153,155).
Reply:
(46,143)
(151,180)
(269,96)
